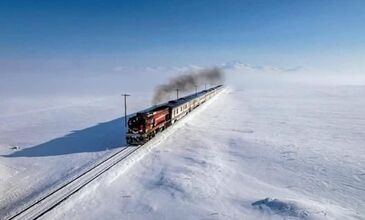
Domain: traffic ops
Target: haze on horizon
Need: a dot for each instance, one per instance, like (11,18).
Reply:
(44,44)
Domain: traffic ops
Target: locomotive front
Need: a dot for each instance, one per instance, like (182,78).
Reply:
(144,125)
(135,134)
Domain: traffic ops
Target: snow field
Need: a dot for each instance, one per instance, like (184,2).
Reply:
(245,147)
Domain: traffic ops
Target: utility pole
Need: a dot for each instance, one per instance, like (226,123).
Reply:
(196,90)
(177,93)
(125,109)
(205,86)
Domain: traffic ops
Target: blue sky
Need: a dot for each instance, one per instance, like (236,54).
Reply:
(184,32)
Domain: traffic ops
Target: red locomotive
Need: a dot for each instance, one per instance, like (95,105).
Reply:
(145,125)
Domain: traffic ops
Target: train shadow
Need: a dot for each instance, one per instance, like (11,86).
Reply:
(103,136)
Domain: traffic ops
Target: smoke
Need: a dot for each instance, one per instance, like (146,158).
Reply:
(188,82)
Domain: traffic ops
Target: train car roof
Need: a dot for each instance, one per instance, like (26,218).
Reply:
(185,99)
(188,98)
(178,102)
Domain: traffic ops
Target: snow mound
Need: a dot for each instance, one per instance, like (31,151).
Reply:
(177,184)
(284,208)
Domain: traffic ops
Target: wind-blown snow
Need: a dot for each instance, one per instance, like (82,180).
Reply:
(302,146)
(266,148)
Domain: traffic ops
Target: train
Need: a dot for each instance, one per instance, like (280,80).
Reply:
(146,124)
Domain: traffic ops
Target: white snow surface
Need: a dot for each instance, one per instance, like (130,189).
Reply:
(44,141)
(254,152)
(304,147)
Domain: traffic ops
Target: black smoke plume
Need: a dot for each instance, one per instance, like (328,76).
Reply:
(188,82)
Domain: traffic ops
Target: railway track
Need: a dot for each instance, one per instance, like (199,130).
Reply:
(49,201)
(43,205)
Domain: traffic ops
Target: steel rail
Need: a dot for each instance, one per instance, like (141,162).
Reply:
(89,176)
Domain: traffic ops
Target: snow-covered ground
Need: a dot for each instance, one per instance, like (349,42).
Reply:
(45,141)
(302,146)
(255,152)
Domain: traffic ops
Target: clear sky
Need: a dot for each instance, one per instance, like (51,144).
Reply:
(280,32)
